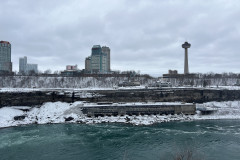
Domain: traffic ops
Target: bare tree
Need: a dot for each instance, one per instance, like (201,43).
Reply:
(48,71)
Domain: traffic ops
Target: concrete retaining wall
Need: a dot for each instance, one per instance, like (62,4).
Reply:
(108,110)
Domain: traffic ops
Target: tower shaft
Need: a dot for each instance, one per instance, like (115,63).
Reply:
(186,70)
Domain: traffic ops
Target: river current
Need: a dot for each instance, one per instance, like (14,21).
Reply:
(205,139)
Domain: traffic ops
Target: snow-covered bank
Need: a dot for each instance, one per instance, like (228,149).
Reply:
(66,82)
(16,90)
(59,112)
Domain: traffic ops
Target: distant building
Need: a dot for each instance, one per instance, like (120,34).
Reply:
(99,61)
(106,50)
(71,67)
(32,69)
(172,72)
(23,65)
(25,68)
(71,71)
(88,64)
(5,57)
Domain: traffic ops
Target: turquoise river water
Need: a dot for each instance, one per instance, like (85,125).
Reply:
(206,139)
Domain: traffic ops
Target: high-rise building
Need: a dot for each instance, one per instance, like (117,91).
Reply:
(98,60)
(106,50)
(88,64)
(25,68)
(23,65)
(5,57)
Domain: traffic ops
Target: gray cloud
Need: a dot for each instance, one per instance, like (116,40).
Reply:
(143,35)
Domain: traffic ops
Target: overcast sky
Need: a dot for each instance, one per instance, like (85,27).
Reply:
(143,35)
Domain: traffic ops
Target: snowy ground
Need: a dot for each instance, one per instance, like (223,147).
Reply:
(66,89)
(49,89)
(57,113)
(113,88)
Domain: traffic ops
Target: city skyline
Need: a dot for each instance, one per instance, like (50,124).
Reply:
(142,35)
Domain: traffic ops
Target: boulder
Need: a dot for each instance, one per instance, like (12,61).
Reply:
(69,119)
(18,118)
(127,119)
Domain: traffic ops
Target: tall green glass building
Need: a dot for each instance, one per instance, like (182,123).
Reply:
(98,60)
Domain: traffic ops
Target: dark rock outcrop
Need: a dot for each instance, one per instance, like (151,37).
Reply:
(19,118)
(190,95)
(69,119)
